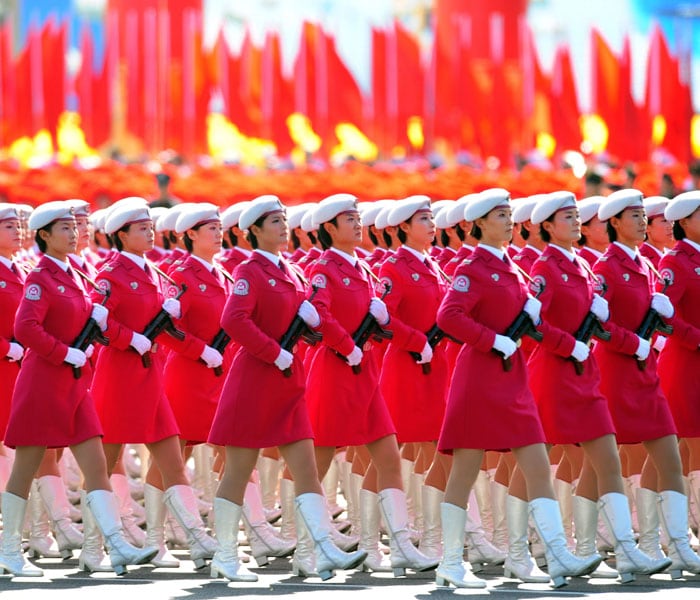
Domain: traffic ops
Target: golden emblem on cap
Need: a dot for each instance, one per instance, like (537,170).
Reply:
(346,280)
(272,282)
(415,276)
(495,276)
(61,289)
(134,285)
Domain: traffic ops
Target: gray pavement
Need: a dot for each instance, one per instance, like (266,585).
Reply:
(63,581)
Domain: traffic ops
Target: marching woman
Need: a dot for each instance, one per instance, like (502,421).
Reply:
(679,362)
(11,290)
(352,412)
(51,408)
(630,383)
(659,237)
(262,403)
(571,406)
(128,391)
(489,407)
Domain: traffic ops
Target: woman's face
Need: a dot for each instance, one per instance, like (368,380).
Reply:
(631,226)
(348,229)
(565,228)
(496,227)
(10,236)
(691,226)
(207,238)
(660,232)
(420,230)
(139,239)
(272,235)
(62,239)
(83,232)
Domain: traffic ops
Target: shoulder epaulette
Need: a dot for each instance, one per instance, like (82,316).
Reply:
(180,269)
(672,252)
(603,259)
(322,261)
(108,268)
(543,258)
(37,269)
(391,259)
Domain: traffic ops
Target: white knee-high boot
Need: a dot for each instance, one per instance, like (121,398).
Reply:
(226,562)
(452,569)
(155,527)
(673,508)
(519,564)
(11,558)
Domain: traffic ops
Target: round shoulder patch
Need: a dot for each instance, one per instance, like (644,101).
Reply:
(667,275)
(33,292)
(241,287)
(383,284)
(319,280)
(537,284)
(171,291)
(461,283)
(104,285)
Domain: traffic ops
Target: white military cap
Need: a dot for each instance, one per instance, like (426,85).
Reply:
(403,210)
(654,206)
(24,210)
(369,214)
(157,212)
(458,209)
(588,207)
(166,222)
(438,205)
(97,218)
(683,205)
(618,201)
(549,204)
(230,216)
(442,215)
(522,209)
(48,212)
(307,221)
(486,202)
(259,207)
(381,221)
(332,206)
(197,214)
(296,213)
(130,212)
(8,211)
(81,208)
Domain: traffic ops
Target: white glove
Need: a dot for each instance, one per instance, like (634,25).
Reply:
(580,351)
(660,342)
(378,310)
(662,305)
(355,357)
(284,360)
(426,355)
(140,343)
(100,314)
(532,307)
(15,353)
(643,349)
(89,351)
(308,312)
(599,307)
(212,357)
(172,307)
(75,357)
(505,345)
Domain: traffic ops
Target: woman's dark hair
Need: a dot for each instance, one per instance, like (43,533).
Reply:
(323,236)
(387,238)
(401,234)
(172,236)
(544,234)
(612,234)
(166,241)
(188,240)
(524,233)
(476,231)
(251,236)
(678,231)
(444,239)
(117,240)
(38,239)
(295,240)
(312,238)
(372,237)
(232,237)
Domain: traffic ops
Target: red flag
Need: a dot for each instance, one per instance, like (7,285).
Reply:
(7,87)
(250,86)
(606,87)
(378,98)
(409,80)
(564,103)
(277,101)
(53,84)
(343,96)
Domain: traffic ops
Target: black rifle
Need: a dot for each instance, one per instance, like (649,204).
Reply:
(90,333)
(651,324)
(160,323)
(298,329)
(590,328)
(219,343)
(369,328)
(521,326)
(435,335)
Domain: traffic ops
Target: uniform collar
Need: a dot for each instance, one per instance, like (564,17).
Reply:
(694,245)
(62,265)
(421,256)
(273,258)
(351,258)
(7,263)
(633,254)
(135,258)
(498,253)
(571,256)
(207,265)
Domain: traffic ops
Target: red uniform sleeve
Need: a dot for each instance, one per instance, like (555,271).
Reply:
(454,314)
(684,332)
(29,329)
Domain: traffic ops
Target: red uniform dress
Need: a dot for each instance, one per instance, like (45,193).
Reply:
(346,409)
(49,406)
(376,256)
(572,408)
(487,407)
(193,389)
(679,361)
(259,406)
(638,408)
(589,255)
(447,254)
(130,398)
(171,260)
(11,291)
(651,253)
(233,257)
(527,257)
(451,266)
(415,400)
